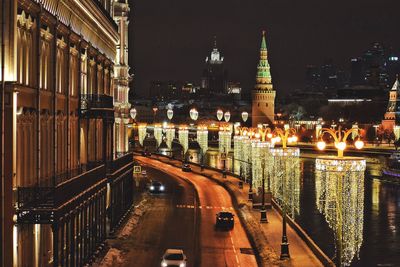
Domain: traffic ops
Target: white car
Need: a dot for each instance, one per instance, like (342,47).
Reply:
(173,257)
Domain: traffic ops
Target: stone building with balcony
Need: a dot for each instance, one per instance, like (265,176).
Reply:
(64,185)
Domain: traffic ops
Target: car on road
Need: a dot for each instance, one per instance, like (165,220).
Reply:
(156,187)
(186,167)
(173,258)
(224,220)
(144,173)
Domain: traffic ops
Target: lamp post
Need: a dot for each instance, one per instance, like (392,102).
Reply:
(202,139)
(340,193)
(155,109)
(133,114)
(285,136)
(263,210)
(183,140)
(340,137)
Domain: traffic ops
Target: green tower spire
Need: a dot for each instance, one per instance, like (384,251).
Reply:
(263,78)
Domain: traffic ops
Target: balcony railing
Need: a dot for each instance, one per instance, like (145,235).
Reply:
(122,160)
(55,194)
(94,101)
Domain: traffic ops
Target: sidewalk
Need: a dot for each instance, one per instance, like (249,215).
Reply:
(266,238)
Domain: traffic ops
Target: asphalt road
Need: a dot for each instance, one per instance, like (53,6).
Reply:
(163,225)
(217,248)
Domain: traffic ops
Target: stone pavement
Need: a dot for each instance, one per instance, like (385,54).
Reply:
(266,237)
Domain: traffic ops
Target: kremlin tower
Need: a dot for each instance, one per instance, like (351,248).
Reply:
(263,95)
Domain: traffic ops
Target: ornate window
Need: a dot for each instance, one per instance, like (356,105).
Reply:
(25,49)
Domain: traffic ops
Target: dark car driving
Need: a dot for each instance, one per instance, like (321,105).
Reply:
(224,220)
(186,167)
(156,187)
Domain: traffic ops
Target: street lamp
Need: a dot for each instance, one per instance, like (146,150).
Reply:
(133,114)
(227,116)
(285,136)
(155,109)
(202,139)
(340,137)
(194,114)
(220,114)
(245,116)
(170,114)
(183,140)
(340,193)
(261,158)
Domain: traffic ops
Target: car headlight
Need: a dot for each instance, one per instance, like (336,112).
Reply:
(162,188)
(151,187)
(182,264)
(164,264)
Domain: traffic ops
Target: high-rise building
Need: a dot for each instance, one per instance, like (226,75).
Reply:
(377,67)
(63,187)
(214,78)
(263,100)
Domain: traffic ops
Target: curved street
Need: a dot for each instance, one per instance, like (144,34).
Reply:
(217,248)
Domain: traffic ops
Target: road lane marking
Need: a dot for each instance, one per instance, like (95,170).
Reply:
(234,250)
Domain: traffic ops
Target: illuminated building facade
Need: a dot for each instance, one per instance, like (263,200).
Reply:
(121,78)
(263,96)
(391,119)
(63,186)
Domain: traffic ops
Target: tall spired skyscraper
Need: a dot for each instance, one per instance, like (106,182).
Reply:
(263,100)
(214,78)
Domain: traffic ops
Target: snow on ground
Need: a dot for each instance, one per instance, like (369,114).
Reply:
(114,256)
(134,219)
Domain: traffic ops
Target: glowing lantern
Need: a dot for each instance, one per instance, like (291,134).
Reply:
(220,114)
(321,145)
(245,116)
(194,114)
(133,113)
(170,114)
(227,116)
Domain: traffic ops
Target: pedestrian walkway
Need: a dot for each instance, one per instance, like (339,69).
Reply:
(267,237)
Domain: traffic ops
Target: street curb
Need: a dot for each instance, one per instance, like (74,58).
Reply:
(325,260)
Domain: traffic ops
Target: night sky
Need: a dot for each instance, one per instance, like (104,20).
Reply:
(170,39)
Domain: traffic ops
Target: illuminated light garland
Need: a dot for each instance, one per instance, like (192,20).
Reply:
(183,136)
(142,129)
(246,157)
(225,141)
(285,178)
(202,138)
(260,151)
(340,198)
(158,134)
(238,153)
(169,135)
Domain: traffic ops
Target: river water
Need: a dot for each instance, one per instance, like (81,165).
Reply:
(381,235)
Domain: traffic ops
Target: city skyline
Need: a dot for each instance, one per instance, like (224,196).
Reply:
(170,40)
